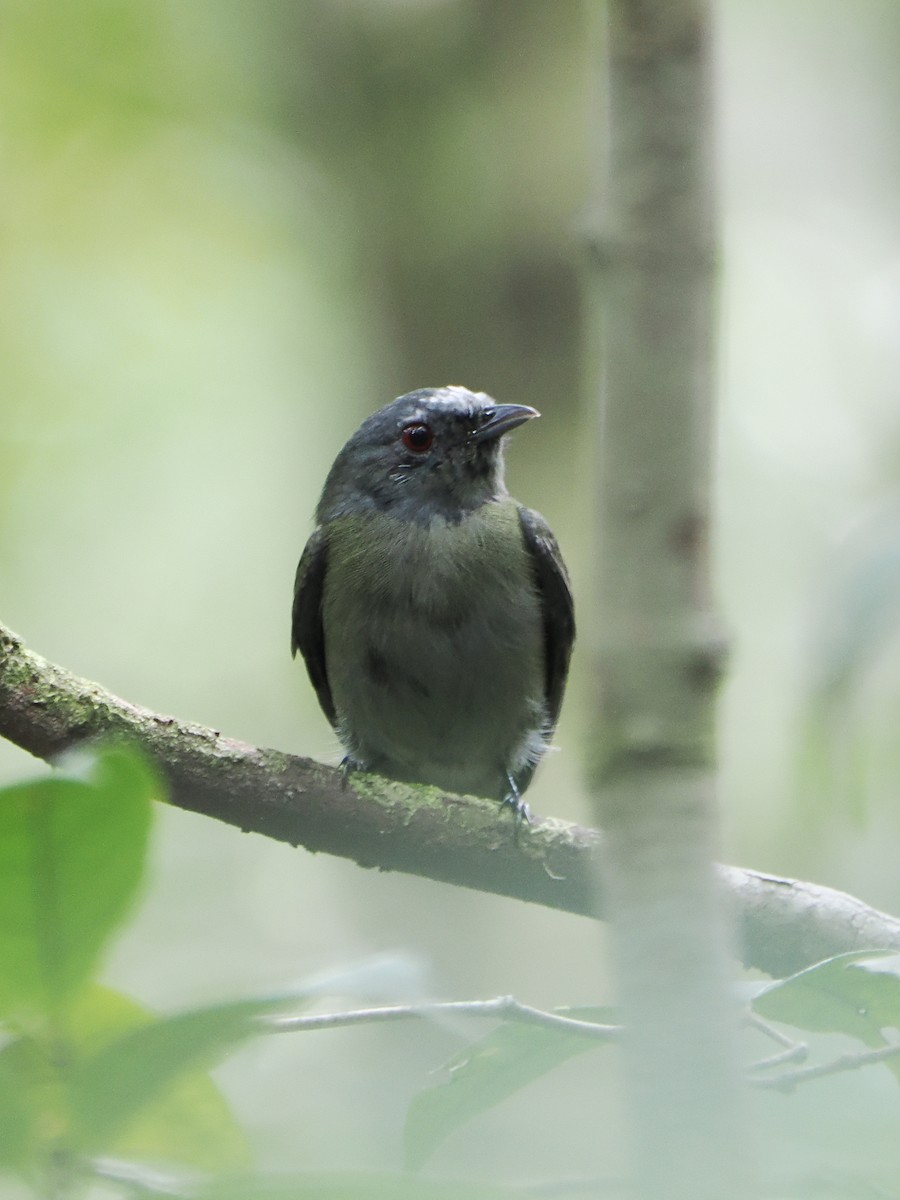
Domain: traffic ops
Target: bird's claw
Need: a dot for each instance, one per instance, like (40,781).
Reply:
(513,799)
(348,766)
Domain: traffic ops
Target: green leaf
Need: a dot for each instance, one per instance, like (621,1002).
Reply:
(127,1076)
(856,994)
(189,1122)
(72,851)
(487,1073)
(30,1075)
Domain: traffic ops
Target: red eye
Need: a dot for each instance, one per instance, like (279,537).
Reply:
(417,437)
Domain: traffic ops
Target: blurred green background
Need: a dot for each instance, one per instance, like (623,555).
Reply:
(231,230)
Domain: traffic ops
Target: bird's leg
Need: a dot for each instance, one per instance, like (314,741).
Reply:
(513,799)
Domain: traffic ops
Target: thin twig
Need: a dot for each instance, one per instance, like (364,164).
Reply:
(509,1009)
(799,1052)
(845,1062)
(755,1021)
(499,1008)
(793,1051)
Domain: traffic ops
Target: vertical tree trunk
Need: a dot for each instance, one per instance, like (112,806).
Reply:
(659,652)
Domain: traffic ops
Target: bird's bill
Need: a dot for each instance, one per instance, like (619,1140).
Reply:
(501,418)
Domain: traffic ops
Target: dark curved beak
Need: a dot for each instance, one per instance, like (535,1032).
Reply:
(500,419)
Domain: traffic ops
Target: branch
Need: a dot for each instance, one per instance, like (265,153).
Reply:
(792,1051)
(503,1008)
(789,1080)
(784,924)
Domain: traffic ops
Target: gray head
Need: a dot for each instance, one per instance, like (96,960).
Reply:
(433,452)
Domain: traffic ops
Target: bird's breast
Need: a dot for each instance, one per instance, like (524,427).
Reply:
(434,643)
(445,572)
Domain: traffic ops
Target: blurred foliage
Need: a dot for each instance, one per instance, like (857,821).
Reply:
(72,1079)
(466,176)
(853,662)
(71,857)
(94,1089)
(487,1073)
(857,994)
(85,1071)
(230,230)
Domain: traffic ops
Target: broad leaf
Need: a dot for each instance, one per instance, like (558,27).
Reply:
(127,1076)
(487,1073)
(188,1122)
(72,852)
(856,994)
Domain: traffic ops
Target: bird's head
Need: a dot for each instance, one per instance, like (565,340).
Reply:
(436,452)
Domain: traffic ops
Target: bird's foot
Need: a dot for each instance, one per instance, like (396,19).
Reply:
(348,766)
(513,799)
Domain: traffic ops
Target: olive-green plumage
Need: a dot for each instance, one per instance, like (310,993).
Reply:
(432,610)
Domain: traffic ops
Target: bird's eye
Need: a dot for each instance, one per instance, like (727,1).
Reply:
(417,437)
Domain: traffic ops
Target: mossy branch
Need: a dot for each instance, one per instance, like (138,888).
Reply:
(784,924)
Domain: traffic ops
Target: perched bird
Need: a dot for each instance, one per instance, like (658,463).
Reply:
(433,611)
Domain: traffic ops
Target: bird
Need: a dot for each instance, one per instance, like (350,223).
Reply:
(434,612)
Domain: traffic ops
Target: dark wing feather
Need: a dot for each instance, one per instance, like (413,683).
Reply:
(307,630)
(557,607)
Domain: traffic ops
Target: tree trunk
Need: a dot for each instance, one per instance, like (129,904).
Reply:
(658,650)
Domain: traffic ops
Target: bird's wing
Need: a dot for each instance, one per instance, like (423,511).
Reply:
(307,631)
(557,607)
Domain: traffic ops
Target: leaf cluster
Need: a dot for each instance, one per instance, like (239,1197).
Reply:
(97,1090)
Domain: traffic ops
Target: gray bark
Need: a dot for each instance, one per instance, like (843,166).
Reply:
(659,653)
